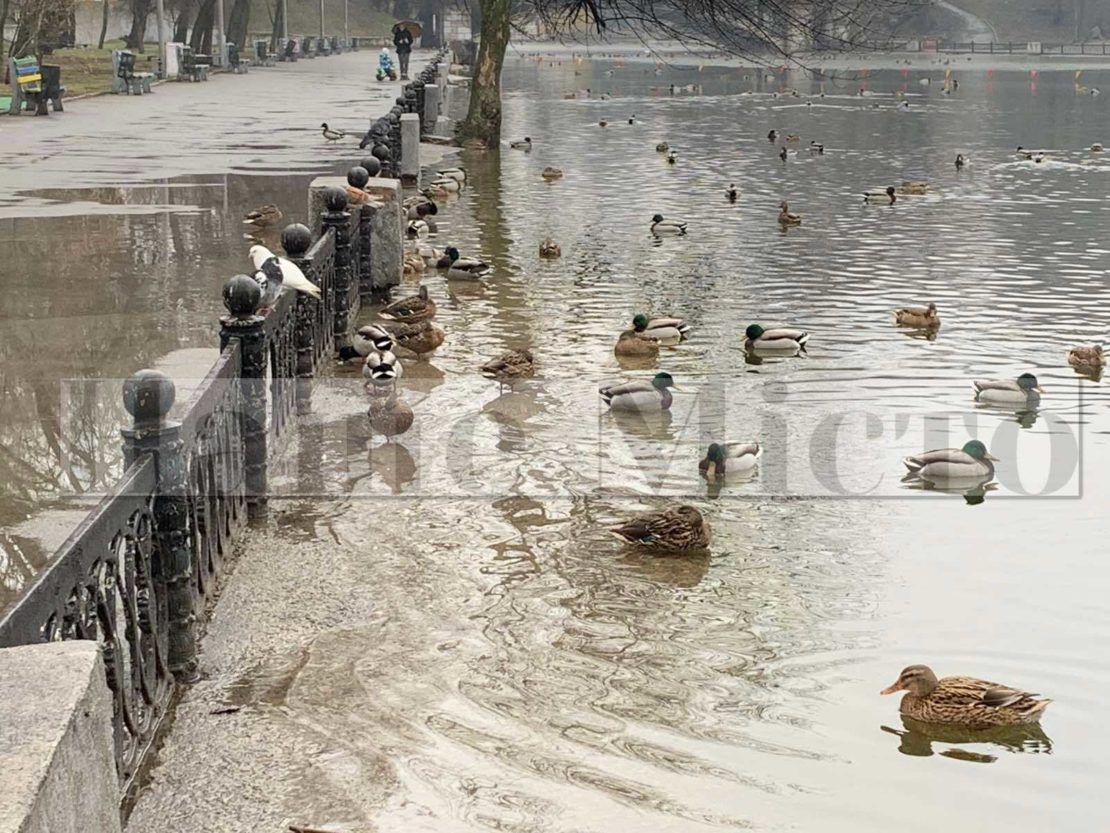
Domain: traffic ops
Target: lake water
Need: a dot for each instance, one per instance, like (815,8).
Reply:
(514,668)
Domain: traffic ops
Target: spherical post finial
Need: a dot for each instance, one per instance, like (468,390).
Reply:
(148,396)
(335,199)
(358,177)
(381,152)
(242,295)
(296,239)
(372,165)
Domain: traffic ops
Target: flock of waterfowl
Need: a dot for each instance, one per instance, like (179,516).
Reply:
(407,329)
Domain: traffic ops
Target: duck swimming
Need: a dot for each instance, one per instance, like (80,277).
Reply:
(267,215)
(885,197)
(729,458)
(968,701)
(660,226)
(331,134)
(680,529)
(1023,392)
(786,218)
(971,461)
(522,144)
(640,394)
(663,329)
(775,340)
(462,268)
(732,193)
(921,317)
(410,310)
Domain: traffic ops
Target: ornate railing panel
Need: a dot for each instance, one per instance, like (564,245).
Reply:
(106,583)
(281,341)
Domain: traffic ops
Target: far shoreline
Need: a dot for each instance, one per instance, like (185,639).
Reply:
(676,54)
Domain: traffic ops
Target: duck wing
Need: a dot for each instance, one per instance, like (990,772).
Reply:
(675,323)
(737,450)
(778,333)
(1008,385)
(939,455)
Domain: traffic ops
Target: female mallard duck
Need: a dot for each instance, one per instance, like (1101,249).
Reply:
(971,461)
(435,192)
(267,215)
(640,394)
(886,197)
(551,173)
(331,134)
(412,264)
(631,343)
(661,227)
(522,144)
(793,137)
(458,174)
(1086,356)
(549,249)
(462,268)
(680,529)
(786,218)
(731,193)
(974,703)
(664,330)
(509,367)
(424,250)
(388,414)
(1022,392)
(421,338)
(730,458)
(924,318)
(662,147)
(776,340)
(410,310)
(914,187)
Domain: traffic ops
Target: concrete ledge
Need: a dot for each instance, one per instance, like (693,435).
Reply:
(57,765)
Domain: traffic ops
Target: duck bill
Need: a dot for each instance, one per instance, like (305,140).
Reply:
(711,472)
(992,458)
(892,688)
(677,389)
(1039,389)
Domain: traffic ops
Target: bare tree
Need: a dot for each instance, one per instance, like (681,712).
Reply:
(761,28)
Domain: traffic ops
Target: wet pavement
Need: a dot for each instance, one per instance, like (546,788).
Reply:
(120,220)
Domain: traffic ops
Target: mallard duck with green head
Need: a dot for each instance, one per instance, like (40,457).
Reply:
(666,330)
(1022,392)
(640,394)
(784,340)
(722,459)
(968,701)
(887,196)
(661,227)
(972,462)
(679,529)
(462,268)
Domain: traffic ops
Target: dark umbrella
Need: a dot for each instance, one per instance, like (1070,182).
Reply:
(414,27)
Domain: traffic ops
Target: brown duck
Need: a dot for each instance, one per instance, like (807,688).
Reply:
(925,318)
(388,414)
(631,343)
(421,338)
(974,703)
(411,310)
(509,367)
(679,529)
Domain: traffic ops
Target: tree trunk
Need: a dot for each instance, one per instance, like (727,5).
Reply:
(237,24)
(140,11)
(482,125)
(201,40)
(181,27)
(275,36)
(103,25)
(3,23)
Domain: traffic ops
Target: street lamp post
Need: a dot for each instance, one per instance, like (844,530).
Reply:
(161,38)
(221,37)
(321,18)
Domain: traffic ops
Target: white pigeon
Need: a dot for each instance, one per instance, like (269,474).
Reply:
(282,271)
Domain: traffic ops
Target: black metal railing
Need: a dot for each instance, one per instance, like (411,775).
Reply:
(140,572)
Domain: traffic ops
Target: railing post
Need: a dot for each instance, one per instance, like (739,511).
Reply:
(337,217)
(394,119)
(358,178)
(242,295)
(296,240)
(148,396)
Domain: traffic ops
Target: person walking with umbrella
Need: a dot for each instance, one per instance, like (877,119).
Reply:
(402,41)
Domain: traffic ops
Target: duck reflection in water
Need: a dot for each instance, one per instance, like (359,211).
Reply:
(917,739)
(682,570)
(393,464)
(973,491)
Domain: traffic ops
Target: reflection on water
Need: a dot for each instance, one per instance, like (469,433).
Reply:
(918,739)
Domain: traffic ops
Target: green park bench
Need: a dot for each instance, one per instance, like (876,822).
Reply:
(33,84)
(124,77)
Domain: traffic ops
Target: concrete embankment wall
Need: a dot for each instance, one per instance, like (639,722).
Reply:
(57,767)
